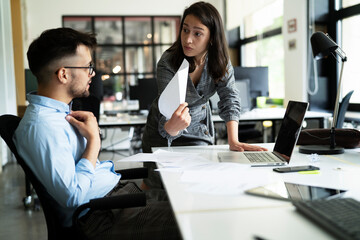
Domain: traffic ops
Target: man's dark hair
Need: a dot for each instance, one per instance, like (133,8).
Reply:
(55,44)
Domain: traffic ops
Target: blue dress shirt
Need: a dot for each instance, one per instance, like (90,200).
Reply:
(53,149)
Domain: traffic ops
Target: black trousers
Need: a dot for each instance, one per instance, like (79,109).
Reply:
(154,221)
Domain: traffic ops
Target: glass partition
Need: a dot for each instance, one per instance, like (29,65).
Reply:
(128,47)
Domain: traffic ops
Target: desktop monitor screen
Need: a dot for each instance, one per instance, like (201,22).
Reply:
(243,87)
(30,81)
(134,92)
(147,92)
(259,80)
(244,92)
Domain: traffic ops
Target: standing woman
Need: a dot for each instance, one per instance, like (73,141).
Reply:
(202,42)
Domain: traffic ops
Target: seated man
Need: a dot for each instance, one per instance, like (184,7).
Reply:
(61,147)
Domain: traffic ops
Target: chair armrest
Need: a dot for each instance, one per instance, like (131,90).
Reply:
(113,202)
(133,173)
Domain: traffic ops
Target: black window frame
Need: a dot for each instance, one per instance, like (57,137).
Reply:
(124,45)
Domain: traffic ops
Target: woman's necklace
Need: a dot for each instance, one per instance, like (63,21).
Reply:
(201,64)
(202,61)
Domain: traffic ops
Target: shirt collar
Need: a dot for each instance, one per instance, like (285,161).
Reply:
(49,102)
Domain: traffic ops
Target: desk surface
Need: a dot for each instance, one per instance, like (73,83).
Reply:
(122,120)
(125,119)
(241,216)
(352,116)
(261,114)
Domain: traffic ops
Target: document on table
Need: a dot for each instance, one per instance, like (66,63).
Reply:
(140,157)
(224,179)
(169,161)
(202,175)
(175,92)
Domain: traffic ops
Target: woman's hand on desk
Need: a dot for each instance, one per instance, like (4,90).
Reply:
(180,120)
(234,144)
(239,146)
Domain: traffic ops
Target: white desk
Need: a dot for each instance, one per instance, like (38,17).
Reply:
(263,114)
(272,114)
(352,116)
(205,216)
(122,120)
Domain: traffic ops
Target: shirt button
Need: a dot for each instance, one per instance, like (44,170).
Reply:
(206,132)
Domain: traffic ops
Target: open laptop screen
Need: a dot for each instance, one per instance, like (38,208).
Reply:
(290,128)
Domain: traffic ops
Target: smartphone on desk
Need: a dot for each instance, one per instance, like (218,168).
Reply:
(295,169)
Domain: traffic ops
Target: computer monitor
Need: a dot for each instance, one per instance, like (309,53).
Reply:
(30,81)
(147,92)
(134,92)
(259,80)
(243,87)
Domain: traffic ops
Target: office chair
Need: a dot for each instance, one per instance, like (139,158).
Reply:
(343,106)
(8,125)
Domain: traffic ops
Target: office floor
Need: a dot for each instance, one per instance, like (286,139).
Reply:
(20,224)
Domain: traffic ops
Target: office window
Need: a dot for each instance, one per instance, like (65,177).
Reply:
(263,45)
(108,30)
(345,23)
(82,24)
(128,47)
(349,3)
(350,45)
(265,19)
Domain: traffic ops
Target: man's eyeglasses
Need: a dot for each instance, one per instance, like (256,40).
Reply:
(90,67)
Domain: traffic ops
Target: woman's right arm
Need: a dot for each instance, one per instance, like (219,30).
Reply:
(170,128)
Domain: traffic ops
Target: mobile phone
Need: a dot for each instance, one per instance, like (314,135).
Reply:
(295,169)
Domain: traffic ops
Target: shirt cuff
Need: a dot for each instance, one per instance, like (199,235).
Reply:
(163,132)
(84,165)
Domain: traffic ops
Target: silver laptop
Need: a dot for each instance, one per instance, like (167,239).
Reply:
(284,144)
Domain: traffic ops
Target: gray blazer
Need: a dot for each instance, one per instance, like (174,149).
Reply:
(201,129)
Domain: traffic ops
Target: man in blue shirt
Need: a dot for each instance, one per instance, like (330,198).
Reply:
(61,147)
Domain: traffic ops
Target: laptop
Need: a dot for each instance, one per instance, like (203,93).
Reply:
(284,145)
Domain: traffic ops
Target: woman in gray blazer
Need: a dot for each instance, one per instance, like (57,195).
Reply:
(202,42)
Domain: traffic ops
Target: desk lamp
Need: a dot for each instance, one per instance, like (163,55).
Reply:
(322,46)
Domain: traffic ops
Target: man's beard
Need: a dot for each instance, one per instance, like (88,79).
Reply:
(77,94)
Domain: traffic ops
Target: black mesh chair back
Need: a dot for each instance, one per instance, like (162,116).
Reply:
(342,110)
(8,125)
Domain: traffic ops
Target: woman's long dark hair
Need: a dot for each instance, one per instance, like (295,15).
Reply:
(218,56)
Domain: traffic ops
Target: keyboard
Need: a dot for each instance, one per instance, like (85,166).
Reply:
(261,157)
(340,216)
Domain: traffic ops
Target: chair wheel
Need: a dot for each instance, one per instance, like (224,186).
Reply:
(28,202)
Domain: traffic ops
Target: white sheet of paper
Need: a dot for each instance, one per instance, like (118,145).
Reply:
(175,92)
(179,160)
(140,157)
(226,180)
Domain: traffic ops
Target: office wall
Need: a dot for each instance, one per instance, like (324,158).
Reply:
(7,77)
(40,15)
(295,58)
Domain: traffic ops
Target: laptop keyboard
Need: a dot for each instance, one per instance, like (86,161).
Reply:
(261,157)
(340,216)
